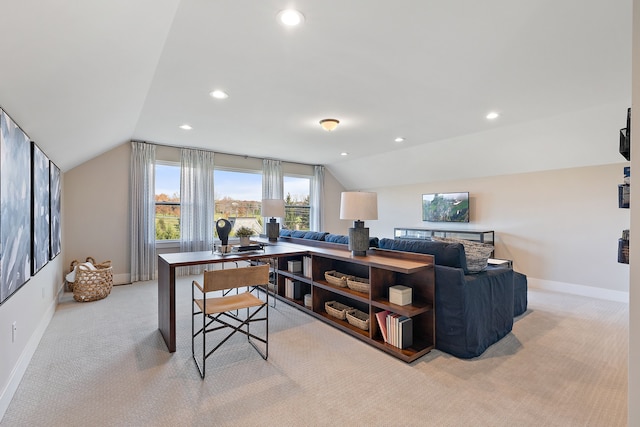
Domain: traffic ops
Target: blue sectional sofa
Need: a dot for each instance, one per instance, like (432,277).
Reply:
(473,310)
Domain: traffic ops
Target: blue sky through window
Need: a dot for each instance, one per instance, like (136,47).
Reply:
(232,184)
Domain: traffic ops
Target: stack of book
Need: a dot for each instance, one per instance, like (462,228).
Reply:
(295,289)
(396,329)
(306,266)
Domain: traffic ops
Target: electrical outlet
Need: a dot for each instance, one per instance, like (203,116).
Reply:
(14,330)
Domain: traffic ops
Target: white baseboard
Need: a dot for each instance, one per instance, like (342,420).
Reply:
(122,279)
(25,358)
(586,291)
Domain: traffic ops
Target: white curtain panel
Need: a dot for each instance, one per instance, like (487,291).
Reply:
(196,203)
(316,200)
(143,210)
(272,183)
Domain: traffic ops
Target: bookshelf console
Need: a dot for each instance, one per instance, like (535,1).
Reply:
(383,269)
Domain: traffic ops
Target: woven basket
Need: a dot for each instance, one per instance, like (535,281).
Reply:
(336,279)
(337,310)
(358,318)
(359,284)
(91,285)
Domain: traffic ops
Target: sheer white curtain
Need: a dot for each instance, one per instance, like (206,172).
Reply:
(316,200)
(143,210)
(196,203)
(272,183)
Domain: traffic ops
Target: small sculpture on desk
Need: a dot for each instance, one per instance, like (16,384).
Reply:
(223,228)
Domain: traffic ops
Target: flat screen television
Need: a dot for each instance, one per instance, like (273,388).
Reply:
(445,207)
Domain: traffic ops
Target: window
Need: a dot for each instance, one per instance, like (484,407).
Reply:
(296,201)
(167,199)
(238,198)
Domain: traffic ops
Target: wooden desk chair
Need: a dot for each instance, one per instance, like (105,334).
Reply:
(217,312)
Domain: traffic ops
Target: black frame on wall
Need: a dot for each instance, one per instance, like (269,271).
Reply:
(15,207)
(40,209)
(54,203)
(30,234)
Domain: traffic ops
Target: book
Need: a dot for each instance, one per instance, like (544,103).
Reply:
(405,331)
(381,317)
(294,266)
(306,266)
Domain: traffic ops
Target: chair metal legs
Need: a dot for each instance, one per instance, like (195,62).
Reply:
(223,320)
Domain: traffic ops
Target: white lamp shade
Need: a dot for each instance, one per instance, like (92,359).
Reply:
(358,205)
(273,208)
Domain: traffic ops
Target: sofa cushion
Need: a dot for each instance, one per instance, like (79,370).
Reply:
(298,233)
(285,233)
(337,238)
(476,253)
(315,235)
(447,254)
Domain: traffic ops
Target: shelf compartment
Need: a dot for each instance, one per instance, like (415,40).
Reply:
(342,324)
(410,310)
(346,292)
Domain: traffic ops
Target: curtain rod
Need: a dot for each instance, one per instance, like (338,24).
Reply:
(221,152)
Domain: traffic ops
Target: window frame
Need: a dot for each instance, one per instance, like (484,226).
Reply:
(167,242)
(309,178)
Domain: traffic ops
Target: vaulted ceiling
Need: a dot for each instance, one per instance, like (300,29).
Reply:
(81,77)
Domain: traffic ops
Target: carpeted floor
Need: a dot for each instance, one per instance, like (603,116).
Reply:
(104,364)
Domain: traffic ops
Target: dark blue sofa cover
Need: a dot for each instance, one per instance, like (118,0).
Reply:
(473,311)
(322,236)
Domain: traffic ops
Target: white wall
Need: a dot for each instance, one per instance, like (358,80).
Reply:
(96,206)
(559,227)
(31,307)
(634,243)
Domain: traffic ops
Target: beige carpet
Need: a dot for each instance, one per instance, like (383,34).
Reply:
(104,364)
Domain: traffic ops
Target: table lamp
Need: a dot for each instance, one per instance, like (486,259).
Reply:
(358,206)
(273,208)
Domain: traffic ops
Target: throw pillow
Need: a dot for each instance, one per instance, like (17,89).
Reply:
(315,235)
(337,238)
(476,253)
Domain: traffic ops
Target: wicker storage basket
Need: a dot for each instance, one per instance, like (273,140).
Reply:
(336,279)
(359,284)
(358,318)
(91,285)
(336,309)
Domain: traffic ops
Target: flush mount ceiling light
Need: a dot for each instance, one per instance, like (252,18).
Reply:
(290,17)
(185,127)
(493,115)
(344,153)
(219,94)
(329,124)
(399,139)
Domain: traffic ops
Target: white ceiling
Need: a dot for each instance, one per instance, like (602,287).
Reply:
(83,77)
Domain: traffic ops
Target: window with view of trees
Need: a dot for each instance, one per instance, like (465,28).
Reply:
(167,199)
(238,198)
(296,202)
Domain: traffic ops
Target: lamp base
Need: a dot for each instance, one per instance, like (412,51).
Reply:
(273,230)
(358,239)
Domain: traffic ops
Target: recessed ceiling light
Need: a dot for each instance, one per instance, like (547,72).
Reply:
(186,127)
(219,94)
(290,17)
(493,115)
(344,153)
(399,139)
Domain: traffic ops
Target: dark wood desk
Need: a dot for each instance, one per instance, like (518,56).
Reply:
(167,264)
